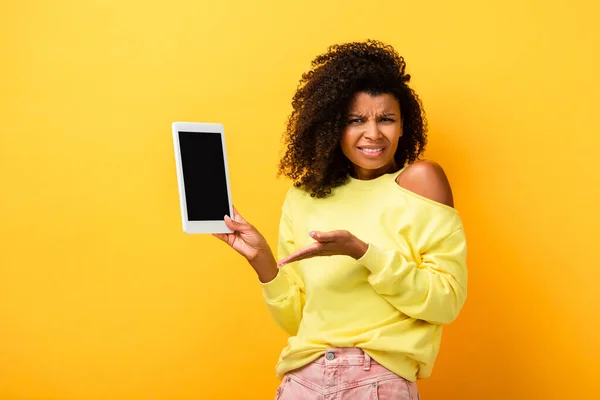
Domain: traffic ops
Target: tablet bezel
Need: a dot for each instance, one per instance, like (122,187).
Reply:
(199,227)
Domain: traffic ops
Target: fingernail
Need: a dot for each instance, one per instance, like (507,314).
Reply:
(312,234)
(227,218)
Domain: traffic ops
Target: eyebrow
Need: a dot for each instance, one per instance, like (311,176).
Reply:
(387,114)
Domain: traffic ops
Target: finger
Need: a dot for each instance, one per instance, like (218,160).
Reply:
(236,226)
(237,216)
(326,237)
(306,252)
(296,259)
(221,236)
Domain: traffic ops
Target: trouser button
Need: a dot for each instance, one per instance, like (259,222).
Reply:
(330,356)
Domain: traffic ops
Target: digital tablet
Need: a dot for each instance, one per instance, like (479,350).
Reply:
(203,177)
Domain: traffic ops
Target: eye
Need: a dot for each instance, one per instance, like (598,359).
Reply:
(354,121)
(385,119)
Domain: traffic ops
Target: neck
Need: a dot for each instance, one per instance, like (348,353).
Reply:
(368,174)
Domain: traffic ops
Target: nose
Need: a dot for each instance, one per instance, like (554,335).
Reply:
(372,131)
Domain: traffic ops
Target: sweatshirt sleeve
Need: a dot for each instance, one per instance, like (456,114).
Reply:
(285,295)
(433,288)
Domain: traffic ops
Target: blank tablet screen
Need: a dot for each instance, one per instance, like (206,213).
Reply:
(204,176)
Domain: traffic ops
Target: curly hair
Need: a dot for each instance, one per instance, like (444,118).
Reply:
(313,158)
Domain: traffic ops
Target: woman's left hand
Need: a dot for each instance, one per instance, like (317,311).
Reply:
(329,244)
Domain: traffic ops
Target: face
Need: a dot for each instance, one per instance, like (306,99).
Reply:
(371,136)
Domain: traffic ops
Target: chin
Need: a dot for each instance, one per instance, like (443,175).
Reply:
(374,164)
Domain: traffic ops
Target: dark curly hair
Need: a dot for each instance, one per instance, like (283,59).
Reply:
(313,157)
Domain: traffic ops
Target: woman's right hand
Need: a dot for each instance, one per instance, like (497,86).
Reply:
(251,244)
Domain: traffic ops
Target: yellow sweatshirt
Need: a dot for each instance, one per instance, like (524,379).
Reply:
(393,301)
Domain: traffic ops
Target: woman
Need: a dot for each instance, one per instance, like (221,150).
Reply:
(371,250)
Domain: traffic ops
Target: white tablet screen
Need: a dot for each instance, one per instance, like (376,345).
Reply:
(204,176)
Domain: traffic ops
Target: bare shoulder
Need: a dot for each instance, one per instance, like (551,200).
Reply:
(428,179)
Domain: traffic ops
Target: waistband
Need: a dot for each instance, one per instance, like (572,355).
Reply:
(346,356)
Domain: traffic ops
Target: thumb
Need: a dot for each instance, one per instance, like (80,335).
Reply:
(324,237)
(237,226)
(237,216)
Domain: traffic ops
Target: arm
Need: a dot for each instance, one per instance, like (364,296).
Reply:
(433,288)
(283,289)
(285,295)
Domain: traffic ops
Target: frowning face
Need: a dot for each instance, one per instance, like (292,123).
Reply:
(371,136)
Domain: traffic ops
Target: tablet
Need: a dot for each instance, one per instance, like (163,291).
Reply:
(203,178)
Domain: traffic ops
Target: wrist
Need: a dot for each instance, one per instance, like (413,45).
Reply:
(265,266)
(359,248)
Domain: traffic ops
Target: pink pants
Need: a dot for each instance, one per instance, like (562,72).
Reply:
(345,374)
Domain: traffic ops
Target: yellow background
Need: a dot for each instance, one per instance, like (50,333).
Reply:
(102,296)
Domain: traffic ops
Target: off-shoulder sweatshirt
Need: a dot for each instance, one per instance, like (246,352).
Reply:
(394,300)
